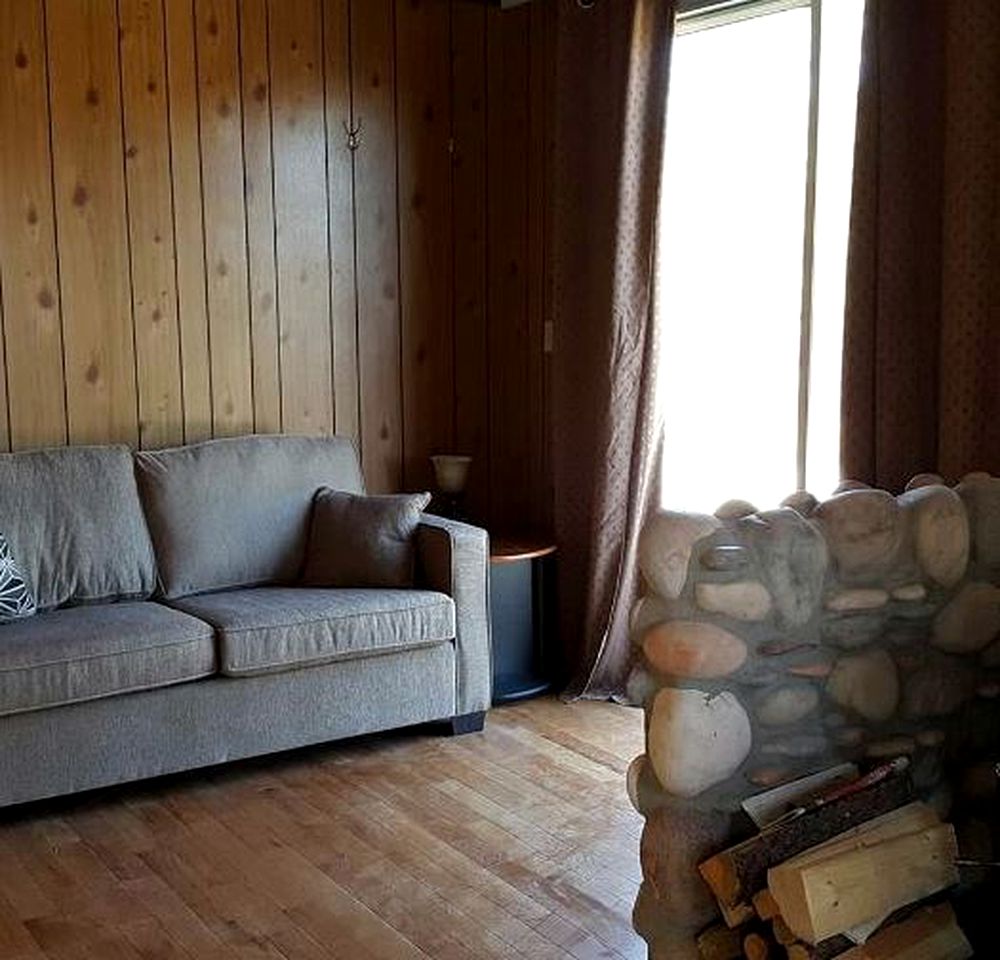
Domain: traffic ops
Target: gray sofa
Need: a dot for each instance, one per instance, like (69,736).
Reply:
(171,634)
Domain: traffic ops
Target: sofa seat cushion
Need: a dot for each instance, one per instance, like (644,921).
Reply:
(83,653)
(271,629)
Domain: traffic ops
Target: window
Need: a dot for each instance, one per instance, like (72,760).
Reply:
(753,247)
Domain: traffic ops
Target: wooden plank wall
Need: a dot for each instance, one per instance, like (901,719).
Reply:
(310,216)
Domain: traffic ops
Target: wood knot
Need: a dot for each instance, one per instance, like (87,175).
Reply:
(45,299)
(80,195)
(93,373)
(21,59)
(92,97)
(260,92)
(32,214)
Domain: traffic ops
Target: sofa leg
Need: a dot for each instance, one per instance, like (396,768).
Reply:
(467,723)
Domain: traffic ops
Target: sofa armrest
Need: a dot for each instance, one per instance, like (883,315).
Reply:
(454,558)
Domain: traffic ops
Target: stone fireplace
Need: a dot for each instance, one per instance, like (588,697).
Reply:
(774,643)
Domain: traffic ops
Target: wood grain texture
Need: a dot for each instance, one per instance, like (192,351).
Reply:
(337,16)
(259,172)
(150,216)
(469,181)
(518,842)
(192,244)
(189,232)
(217,38)
(375,204)
(425,224)
(300,202)
(32,320)
(511,394)
(88,161)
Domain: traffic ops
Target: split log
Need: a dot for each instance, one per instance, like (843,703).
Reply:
(932,933)
(719,943)
(755,947)
(837,886)
(736,874)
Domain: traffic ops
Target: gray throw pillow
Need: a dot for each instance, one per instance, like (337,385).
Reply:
(16,600)
(358,541)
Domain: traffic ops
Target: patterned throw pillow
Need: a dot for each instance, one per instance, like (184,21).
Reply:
(16,601)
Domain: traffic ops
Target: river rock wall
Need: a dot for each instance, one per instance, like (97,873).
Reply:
(773,643)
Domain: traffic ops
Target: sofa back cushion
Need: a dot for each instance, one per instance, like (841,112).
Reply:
(74,523)
(235,512)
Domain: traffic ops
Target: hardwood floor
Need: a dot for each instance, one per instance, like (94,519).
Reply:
(516,842)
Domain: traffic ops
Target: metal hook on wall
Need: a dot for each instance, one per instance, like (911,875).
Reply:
(586,4)
(353,135)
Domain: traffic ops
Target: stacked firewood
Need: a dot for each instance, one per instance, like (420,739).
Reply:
(843,866)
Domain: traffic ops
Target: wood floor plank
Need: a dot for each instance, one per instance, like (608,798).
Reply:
(515,843)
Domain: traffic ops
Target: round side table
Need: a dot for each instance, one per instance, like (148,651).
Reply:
(522,579)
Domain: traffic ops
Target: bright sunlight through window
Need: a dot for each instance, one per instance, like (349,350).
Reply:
(750,370)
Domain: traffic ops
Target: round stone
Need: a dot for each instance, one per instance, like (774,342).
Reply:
(802,502)
(845,486)
(746,600)
(851,632)
(632,775)
(981,495)
(695,740)
(910,592)
(768,776)
(647,611)
(863,531)
(936,690)
(806,745)
(815,669)
(674,841)
(940,532)
(891,747)
(925,480)
(787,705)
(860,598)
(726,558)
(849,736)
(734,509)
(692,649)
(640,686)
(970,621)
(793,560)
(977,476)
(665,548)
(866,683)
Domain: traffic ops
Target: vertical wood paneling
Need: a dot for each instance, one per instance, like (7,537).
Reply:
(4,409)
(340,184)
(90,208)
(424,129)
(260,215)
(469,205)
(301,209)
(509,333)
(217,40)
(32,327)
(373,81)
(189,236)
(193,244)
(535,164)
(150,215)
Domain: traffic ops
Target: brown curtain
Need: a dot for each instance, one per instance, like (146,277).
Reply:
(611,67)
(922,337)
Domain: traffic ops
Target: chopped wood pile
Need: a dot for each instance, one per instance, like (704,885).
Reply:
(847,867)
